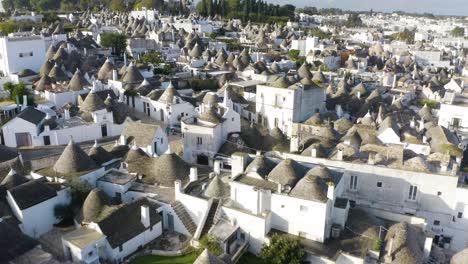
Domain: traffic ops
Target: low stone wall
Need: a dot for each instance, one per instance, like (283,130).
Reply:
(156,252)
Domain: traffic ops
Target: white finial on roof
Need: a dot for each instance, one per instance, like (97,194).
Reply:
(169,150)
(11,172)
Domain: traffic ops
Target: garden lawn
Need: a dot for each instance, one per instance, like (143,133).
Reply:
(186,259)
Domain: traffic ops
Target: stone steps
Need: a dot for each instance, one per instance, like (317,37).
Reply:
(184,217)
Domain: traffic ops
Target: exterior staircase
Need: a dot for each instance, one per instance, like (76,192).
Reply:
(184,217)
(210,218)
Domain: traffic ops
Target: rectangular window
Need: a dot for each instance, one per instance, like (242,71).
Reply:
(25,54)
(199,141)
(120,248)
(353,182)
(460,215)
(439,193)
(46,140)
(304,208)
(412,193)
(436,222)
(379,184)
(456,122)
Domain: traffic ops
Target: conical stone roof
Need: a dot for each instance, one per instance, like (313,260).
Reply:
(216,188)
(284,173)
(132,75)
(92,103)
(78,81)
(94,204)
(73,159)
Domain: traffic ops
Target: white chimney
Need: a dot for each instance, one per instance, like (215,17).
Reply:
(427,247)
(443,167)
(421,125)
(339,155)
(314,153)
(122,140)
(412,123)
(217,167)
(331,190)
(25,101)
(359,95)
(66,113)
(424,139)
(394,81)
(145,216)
(193,174)
(280,188)
(114,75)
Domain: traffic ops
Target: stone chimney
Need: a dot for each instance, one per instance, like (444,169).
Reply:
(145,216)
(193,174)
(371,159)
(455,169)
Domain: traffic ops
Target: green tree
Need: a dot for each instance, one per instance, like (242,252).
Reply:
(202,7)
(79,192)
(116,41)
(148,4)
(209,242)
(165,70)
(458,32)
(353,20)
(117,5)
(8,5)
(405,35)
(9,26)
(152,58)
(46,5)
(293,54)
(282,250)
(18,91)
(324,68)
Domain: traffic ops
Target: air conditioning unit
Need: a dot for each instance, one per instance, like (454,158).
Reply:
(335,231)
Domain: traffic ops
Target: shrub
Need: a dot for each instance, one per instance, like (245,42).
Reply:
(377,244)
(282,250)
(210,243)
